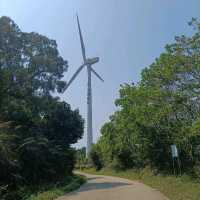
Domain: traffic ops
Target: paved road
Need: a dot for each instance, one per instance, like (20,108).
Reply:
(113,188)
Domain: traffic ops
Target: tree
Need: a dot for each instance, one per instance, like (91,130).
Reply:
(35,146)
(161,110)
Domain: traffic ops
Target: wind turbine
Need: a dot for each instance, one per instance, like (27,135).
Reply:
(87,62)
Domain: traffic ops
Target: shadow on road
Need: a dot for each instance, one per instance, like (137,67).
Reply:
(97,183)
(102,185)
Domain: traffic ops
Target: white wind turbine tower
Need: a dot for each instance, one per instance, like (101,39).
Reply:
(87,62)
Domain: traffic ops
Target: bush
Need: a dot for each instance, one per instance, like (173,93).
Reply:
(96,158)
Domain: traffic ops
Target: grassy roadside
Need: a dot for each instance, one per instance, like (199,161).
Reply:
(56,191)
(175,188)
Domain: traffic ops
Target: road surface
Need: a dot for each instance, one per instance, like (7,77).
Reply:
(113,188)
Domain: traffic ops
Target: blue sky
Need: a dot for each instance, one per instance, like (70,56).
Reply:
(127,35)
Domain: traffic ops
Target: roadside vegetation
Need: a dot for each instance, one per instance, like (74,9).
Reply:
(54,192)
(161,110)
(36,127)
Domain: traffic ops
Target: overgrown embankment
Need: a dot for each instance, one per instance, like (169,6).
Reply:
(52,192)
(161,110)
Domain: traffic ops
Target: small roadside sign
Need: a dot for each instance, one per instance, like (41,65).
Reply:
(174,151)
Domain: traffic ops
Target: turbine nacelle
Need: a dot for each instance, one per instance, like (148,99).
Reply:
(91,61)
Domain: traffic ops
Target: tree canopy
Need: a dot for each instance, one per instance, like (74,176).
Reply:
(36,128)
(161,110)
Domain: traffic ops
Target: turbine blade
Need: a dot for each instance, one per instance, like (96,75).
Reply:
(81,40)
(73,77)
(96,74)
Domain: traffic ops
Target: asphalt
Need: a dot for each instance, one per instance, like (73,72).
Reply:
(113,188)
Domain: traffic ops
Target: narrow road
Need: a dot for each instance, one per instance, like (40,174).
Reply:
(113,188)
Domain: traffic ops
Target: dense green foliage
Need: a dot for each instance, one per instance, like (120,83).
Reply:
(36,128)
(161,110)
